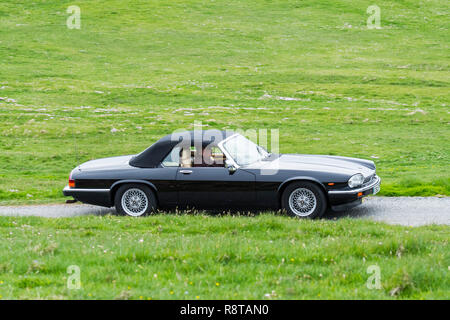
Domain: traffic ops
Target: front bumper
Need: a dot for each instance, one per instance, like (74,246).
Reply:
(346,199)
(98,197)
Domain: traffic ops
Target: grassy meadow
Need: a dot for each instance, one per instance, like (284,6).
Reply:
(138,70)
(199,256)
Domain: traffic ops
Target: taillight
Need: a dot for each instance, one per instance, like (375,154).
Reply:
(71,181)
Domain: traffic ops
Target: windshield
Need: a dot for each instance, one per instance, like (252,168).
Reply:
(243,151)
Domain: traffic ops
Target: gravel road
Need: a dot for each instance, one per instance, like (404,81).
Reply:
(408,211)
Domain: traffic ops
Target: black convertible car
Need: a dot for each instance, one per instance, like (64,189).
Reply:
(218,169)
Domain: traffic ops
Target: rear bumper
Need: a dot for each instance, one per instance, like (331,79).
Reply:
(98,197)
(346,199)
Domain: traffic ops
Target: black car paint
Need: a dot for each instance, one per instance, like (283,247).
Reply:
(205,187)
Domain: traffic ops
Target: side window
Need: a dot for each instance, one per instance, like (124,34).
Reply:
(218,156)
(190,157)
(209,157)
(173,158)
(186,157)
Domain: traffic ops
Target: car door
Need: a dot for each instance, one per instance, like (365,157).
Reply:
(211,187)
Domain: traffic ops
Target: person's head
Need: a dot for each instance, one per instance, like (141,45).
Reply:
(207,156)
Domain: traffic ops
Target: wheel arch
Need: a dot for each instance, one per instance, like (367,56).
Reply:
(116,185)
(287,182)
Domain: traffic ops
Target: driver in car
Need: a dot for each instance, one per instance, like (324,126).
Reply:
(206,159)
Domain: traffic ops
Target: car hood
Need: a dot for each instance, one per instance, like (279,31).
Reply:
(106,163)
(321,163)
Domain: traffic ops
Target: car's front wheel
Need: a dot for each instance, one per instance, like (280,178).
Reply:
(304,200)
(135,200)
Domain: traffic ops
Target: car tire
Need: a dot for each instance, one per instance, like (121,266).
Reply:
(135,200)
(304,200)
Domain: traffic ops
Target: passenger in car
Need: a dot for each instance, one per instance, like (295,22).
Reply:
(185,158)
(205,159)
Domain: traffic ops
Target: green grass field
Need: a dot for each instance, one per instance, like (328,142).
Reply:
(138,70)
(220,257)
(311,69)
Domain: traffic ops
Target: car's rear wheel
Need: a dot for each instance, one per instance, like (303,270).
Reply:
(304,200)
(135,200)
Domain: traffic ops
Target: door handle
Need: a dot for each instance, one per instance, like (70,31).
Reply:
(186,171)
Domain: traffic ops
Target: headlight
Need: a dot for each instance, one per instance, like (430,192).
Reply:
(356,180)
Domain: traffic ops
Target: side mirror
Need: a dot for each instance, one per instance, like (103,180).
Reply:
(230,166)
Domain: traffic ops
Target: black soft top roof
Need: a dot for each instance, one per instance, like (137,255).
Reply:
(153,155)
